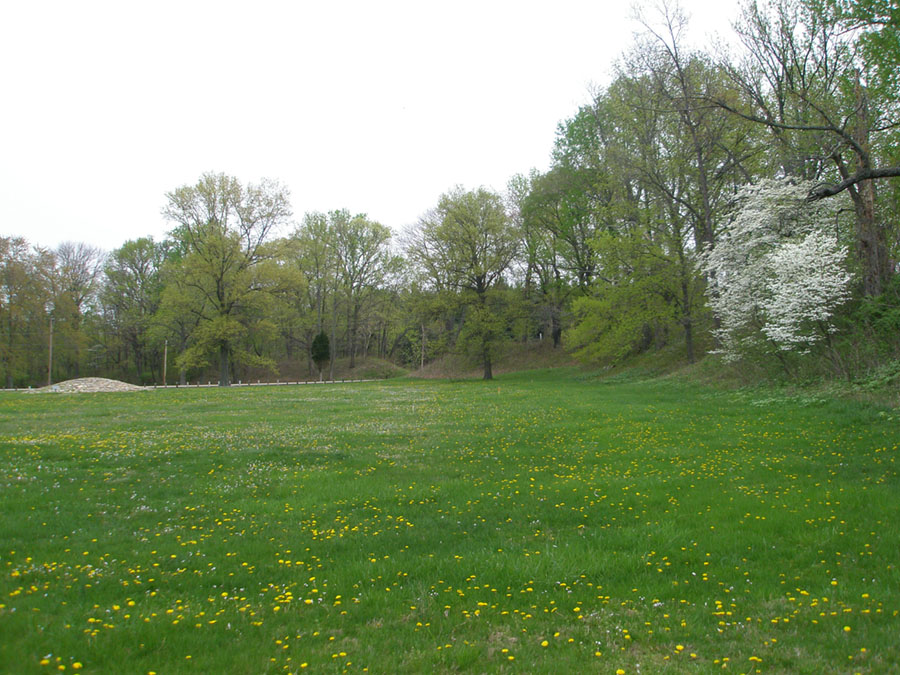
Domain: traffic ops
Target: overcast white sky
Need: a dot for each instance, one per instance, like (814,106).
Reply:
(377,107)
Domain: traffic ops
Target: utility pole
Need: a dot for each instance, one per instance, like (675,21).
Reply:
(165,360)
(50,359)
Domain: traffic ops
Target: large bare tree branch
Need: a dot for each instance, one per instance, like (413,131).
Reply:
(828,190)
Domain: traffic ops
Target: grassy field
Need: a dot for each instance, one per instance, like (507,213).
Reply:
(539,523)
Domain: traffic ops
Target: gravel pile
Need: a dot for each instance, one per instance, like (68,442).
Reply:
(89,385)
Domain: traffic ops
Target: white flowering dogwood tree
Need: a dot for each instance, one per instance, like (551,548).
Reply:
(777,271)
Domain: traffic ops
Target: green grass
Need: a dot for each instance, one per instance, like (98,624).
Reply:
(540,523)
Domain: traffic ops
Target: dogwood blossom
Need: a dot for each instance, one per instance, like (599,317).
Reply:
(777,271)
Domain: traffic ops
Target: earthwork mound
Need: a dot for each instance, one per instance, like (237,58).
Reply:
(84,385)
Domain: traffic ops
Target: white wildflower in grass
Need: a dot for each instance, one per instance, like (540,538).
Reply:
(777,270)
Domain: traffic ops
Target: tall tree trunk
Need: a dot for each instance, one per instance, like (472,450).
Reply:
(139,363)
(77,351)
(349,345)
(689,338)
(224,379)
(9,351)
(333,330)
(182,372)
(687,306)
(485,339)
(555,327)
(871,240)
(703,235)
(354,327)
(320,307)
(872,246)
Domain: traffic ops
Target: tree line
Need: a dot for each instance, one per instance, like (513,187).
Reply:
(739,201)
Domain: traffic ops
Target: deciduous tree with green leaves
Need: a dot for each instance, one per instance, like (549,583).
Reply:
(467,243)
(76,281)
(131,296)
(363,260)
(224,228)
(25,294)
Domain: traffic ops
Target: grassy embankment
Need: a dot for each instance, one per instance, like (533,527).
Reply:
(542,522)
